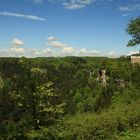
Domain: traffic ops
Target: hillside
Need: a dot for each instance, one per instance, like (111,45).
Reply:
(70,98)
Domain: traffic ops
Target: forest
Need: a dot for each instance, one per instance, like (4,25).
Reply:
(69,98)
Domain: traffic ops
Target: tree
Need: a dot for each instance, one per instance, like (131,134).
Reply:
(38,96)
(47,106)
(133,29)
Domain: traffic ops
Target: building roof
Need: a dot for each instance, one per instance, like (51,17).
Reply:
(137,54)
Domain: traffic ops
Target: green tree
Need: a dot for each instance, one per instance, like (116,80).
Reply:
(39,96)
(45,104)
(133,29)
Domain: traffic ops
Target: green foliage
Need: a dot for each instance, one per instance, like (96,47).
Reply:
(110,124)
(63,98)
(132,134)
(133,29)
(47,108)
(103,126)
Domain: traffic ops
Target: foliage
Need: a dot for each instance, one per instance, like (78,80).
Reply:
(63,98)
(132,134)
(133,29)
(108,125)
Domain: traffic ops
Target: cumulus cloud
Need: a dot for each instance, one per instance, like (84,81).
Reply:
(34,51)
(64,49)
(95,52)
(39,52)
(68,50)
(53,42)
(12,52)
(133,52)
(51,38)
(112,54)
(57,44)
(46,51)
(16,42)
(85,52)
(16,46)
(19,15)
(17,50)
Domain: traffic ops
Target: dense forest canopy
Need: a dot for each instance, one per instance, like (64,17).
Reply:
(69,98)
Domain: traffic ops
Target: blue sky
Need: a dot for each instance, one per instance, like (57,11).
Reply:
(35,28)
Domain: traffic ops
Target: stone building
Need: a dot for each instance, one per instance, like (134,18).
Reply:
(135,59)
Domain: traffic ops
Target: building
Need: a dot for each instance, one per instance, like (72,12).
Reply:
(135,58)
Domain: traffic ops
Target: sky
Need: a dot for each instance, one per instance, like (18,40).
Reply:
(44,28)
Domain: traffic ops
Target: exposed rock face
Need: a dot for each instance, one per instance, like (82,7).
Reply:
(122,83)
(102,78)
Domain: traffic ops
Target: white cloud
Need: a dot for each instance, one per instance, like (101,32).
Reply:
(111,53)
(95,52)
(64,49)
(19,15)
(125,15)
(53,42)
(16,42)
(85,52)
(71,6)
(129,7)
(68,50)
(74,4)
(77,4)
(48,50)
(57,44)
(51,38)
(38,1)
(133,52)
(18,50)
(34,51)
(16,46)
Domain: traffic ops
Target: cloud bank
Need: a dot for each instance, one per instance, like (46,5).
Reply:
(53,47)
